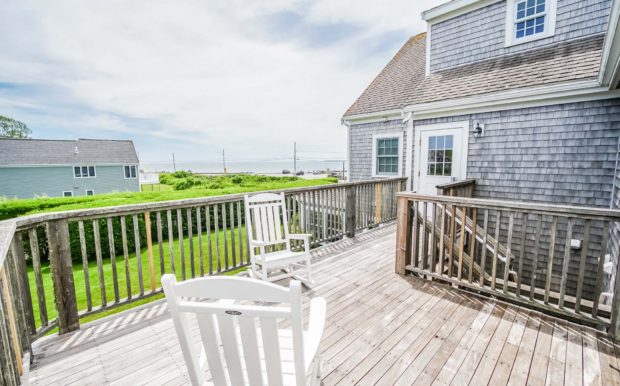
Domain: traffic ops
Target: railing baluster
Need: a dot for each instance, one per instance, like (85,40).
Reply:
(462,242)
(599,270)
(566,262)
(209,242)
(190,241)
(136,237)
(511,220)
(181,242)
(38,276)
(521,253)
(582,264)
(170,240)
(126,257)
(113,259)
(483,247)
(442,231)
(98,257)
(498,219)
(240,234)
(433,238)
(537,236)
(217,237)
(89,302)
(424,253)
(199,232)
(452,239)
(149,249)
(554,227)
(160,244)
(415,237)
(224,231)
(472,246)
(12,323)
(233,247)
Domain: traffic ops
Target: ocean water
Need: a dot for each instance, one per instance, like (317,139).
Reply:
(263,167)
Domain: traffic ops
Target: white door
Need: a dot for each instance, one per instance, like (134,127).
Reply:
(442,155)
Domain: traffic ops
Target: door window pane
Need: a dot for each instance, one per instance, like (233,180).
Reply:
(440,157)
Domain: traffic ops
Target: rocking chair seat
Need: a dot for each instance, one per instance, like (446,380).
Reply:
(282,258)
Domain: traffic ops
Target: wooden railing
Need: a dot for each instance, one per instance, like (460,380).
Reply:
(462,188)
(105,257)
(548,257)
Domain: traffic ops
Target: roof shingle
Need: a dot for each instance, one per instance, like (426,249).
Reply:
(403,82)
(15,152)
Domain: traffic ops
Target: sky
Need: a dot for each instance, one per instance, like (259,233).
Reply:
(195,77)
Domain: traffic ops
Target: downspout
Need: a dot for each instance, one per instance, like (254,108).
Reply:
(408,120)
(613,186)
(348,126)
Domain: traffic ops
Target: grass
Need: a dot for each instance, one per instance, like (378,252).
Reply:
(93,275)
(223,185)
(179,185)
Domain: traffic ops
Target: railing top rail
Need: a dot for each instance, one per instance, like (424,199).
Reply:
(456,184)
(25,222)
(7,229)
(549,209)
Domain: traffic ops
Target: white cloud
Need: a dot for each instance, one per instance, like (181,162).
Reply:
(204,72)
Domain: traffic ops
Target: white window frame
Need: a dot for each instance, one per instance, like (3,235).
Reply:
(550,16)
(89,190)
(375,137)
(130,177)
(81,166)
(67,191)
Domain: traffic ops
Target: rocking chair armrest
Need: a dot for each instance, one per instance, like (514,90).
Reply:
(299,236)
(316,326)
(257,243)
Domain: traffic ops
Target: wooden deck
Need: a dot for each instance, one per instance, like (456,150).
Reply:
(382,329)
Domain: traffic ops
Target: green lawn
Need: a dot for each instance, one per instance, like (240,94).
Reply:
(80,288)
(185,186)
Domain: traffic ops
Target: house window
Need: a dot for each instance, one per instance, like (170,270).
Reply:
(440,149)
(131,171)
(67,193)
(387,156)
(529,20)
(84,171)
(90,192)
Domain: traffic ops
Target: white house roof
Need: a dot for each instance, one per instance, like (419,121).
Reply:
(14,152)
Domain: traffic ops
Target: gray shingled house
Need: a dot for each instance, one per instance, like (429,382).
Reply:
(520,95)
(57,168)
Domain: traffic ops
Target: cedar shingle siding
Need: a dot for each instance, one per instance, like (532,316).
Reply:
(479,35)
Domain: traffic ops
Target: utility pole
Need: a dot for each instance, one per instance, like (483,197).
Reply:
(174,164)
(294,158)
(224,160)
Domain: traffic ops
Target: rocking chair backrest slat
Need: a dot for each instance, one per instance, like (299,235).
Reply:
(266,218)
(241,359)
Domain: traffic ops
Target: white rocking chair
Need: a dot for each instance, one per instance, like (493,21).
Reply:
(267,227)
(241,343)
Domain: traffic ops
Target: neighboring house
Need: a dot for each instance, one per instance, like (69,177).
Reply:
(57,168)
(520,95)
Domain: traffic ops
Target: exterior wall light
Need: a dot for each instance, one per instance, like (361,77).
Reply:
(478,130)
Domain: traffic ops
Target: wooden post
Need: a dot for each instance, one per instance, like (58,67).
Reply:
(403,235)
(15,343)
(350,206)
(62,276)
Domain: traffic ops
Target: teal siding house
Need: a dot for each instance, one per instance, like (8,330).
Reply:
(57,168)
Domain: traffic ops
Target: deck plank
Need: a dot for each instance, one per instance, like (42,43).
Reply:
(381,328)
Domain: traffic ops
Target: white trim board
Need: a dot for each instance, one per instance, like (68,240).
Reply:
(567,92)
(409,155)
(463,125)
(454,8)
(375,137)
